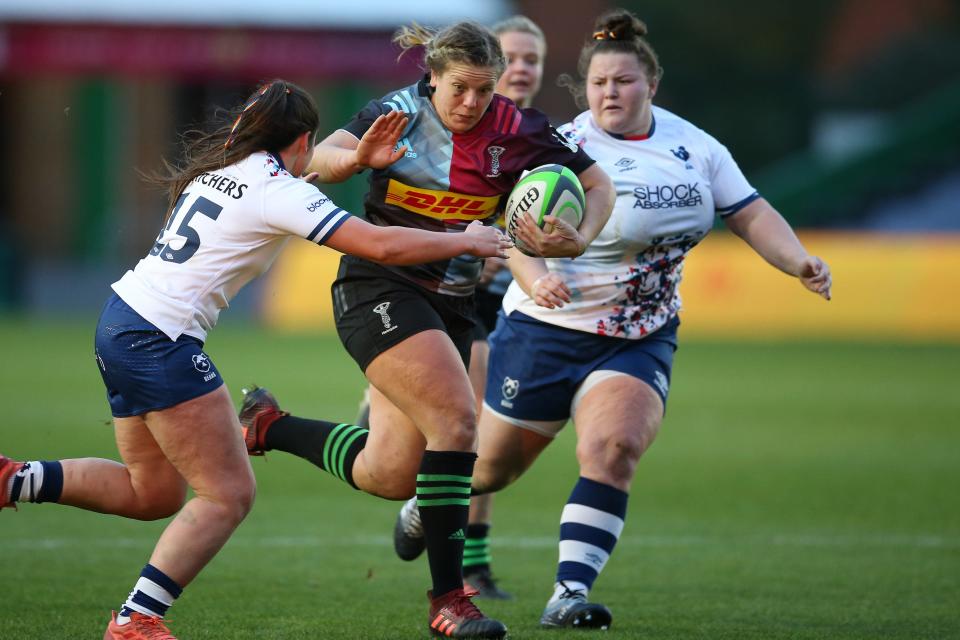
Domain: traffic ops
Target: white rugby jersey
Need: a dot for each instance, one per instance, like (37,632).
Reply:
(669,186)
(227,228)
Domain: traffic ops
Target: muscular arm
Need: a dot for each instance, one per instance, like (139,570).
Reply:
(341,154)
(403,246)
(335,159)
(765,230)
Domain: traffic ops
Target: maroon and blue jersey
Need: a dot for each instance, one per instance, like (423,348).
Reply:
(447,180)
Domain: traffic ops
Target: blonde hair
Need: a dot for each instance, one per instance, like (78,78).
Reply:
(520,24)
(464,42)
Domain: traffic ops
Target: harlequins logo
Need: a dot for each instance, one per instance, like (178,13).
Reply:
(495,153)
(381,309)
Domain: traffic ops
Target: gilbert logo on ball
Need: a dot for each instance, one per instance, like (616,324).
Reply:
(548,190)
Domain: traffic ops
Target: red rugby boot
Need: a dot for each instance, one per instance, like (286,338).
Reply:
(140,627)
(258,411)
(453,615)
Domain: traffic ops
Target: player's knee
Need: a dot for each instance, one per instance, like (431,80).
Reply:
(616,455)
(457,431)
(240,500)
(233,501)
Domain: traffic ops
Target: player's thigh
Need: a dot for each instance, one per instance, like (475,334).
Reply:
(616,421)
(505,452)
(152,476)
(424,377)
(202,439)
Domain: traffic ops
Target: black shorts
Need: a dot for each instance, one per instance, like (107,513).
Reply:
(487,307)
(375,309)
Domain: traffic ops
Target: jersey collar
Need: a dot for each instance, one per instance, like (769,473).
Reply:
(645,136)
(276,156)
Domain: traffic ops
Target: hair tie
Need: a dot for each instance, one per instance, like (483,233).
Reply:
(604,34)
(249,105)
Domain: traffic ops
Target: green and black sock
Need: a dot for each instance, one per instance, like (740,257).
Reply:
(443,497)
(332,447)
(476,552)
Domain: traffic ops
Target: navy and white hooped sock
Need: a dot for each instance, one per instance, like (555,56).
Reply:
(153,594)
(37,481)
(590,526)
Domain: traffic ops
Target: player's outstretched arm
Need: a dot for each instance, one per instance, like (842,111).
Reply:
(402,245)
(341,154)
(764,229)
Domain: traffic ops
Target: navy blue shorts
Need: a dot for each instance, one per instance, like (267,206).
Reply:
(143,369)
(537,371)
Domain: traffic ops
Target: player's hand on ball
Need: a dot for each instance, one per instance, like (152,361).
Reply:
(378,146)
(550,291)
(557,239)
(488,242)
(815,276)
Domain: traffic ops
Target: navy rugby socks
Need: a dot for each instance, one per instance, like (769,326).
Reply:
(590,526)
(153,594)
(37,481)
(332,447)
(443,498)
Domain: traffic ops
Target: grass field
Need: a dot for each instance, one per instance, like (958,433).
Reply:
(795,491)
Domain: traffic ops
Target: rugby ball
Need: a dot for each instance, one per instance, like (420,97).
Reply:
(548,190)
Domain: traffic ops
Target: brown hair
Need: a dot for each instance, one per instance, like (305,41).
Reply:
(520,24)
(616,31)
(464,42)
(270,120)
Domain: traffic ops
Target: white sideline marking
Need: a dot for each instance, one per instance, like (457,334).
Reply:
(918,541)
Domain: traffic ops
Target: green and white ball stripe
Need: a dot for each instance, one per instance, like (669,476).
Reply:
(548,190)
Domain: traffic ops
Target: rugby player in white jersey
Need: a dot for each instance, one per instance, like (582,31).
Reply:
(594,338)
(233,205)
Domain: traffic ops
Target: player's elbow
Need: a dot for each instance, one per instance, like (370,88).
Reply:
(390,252)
